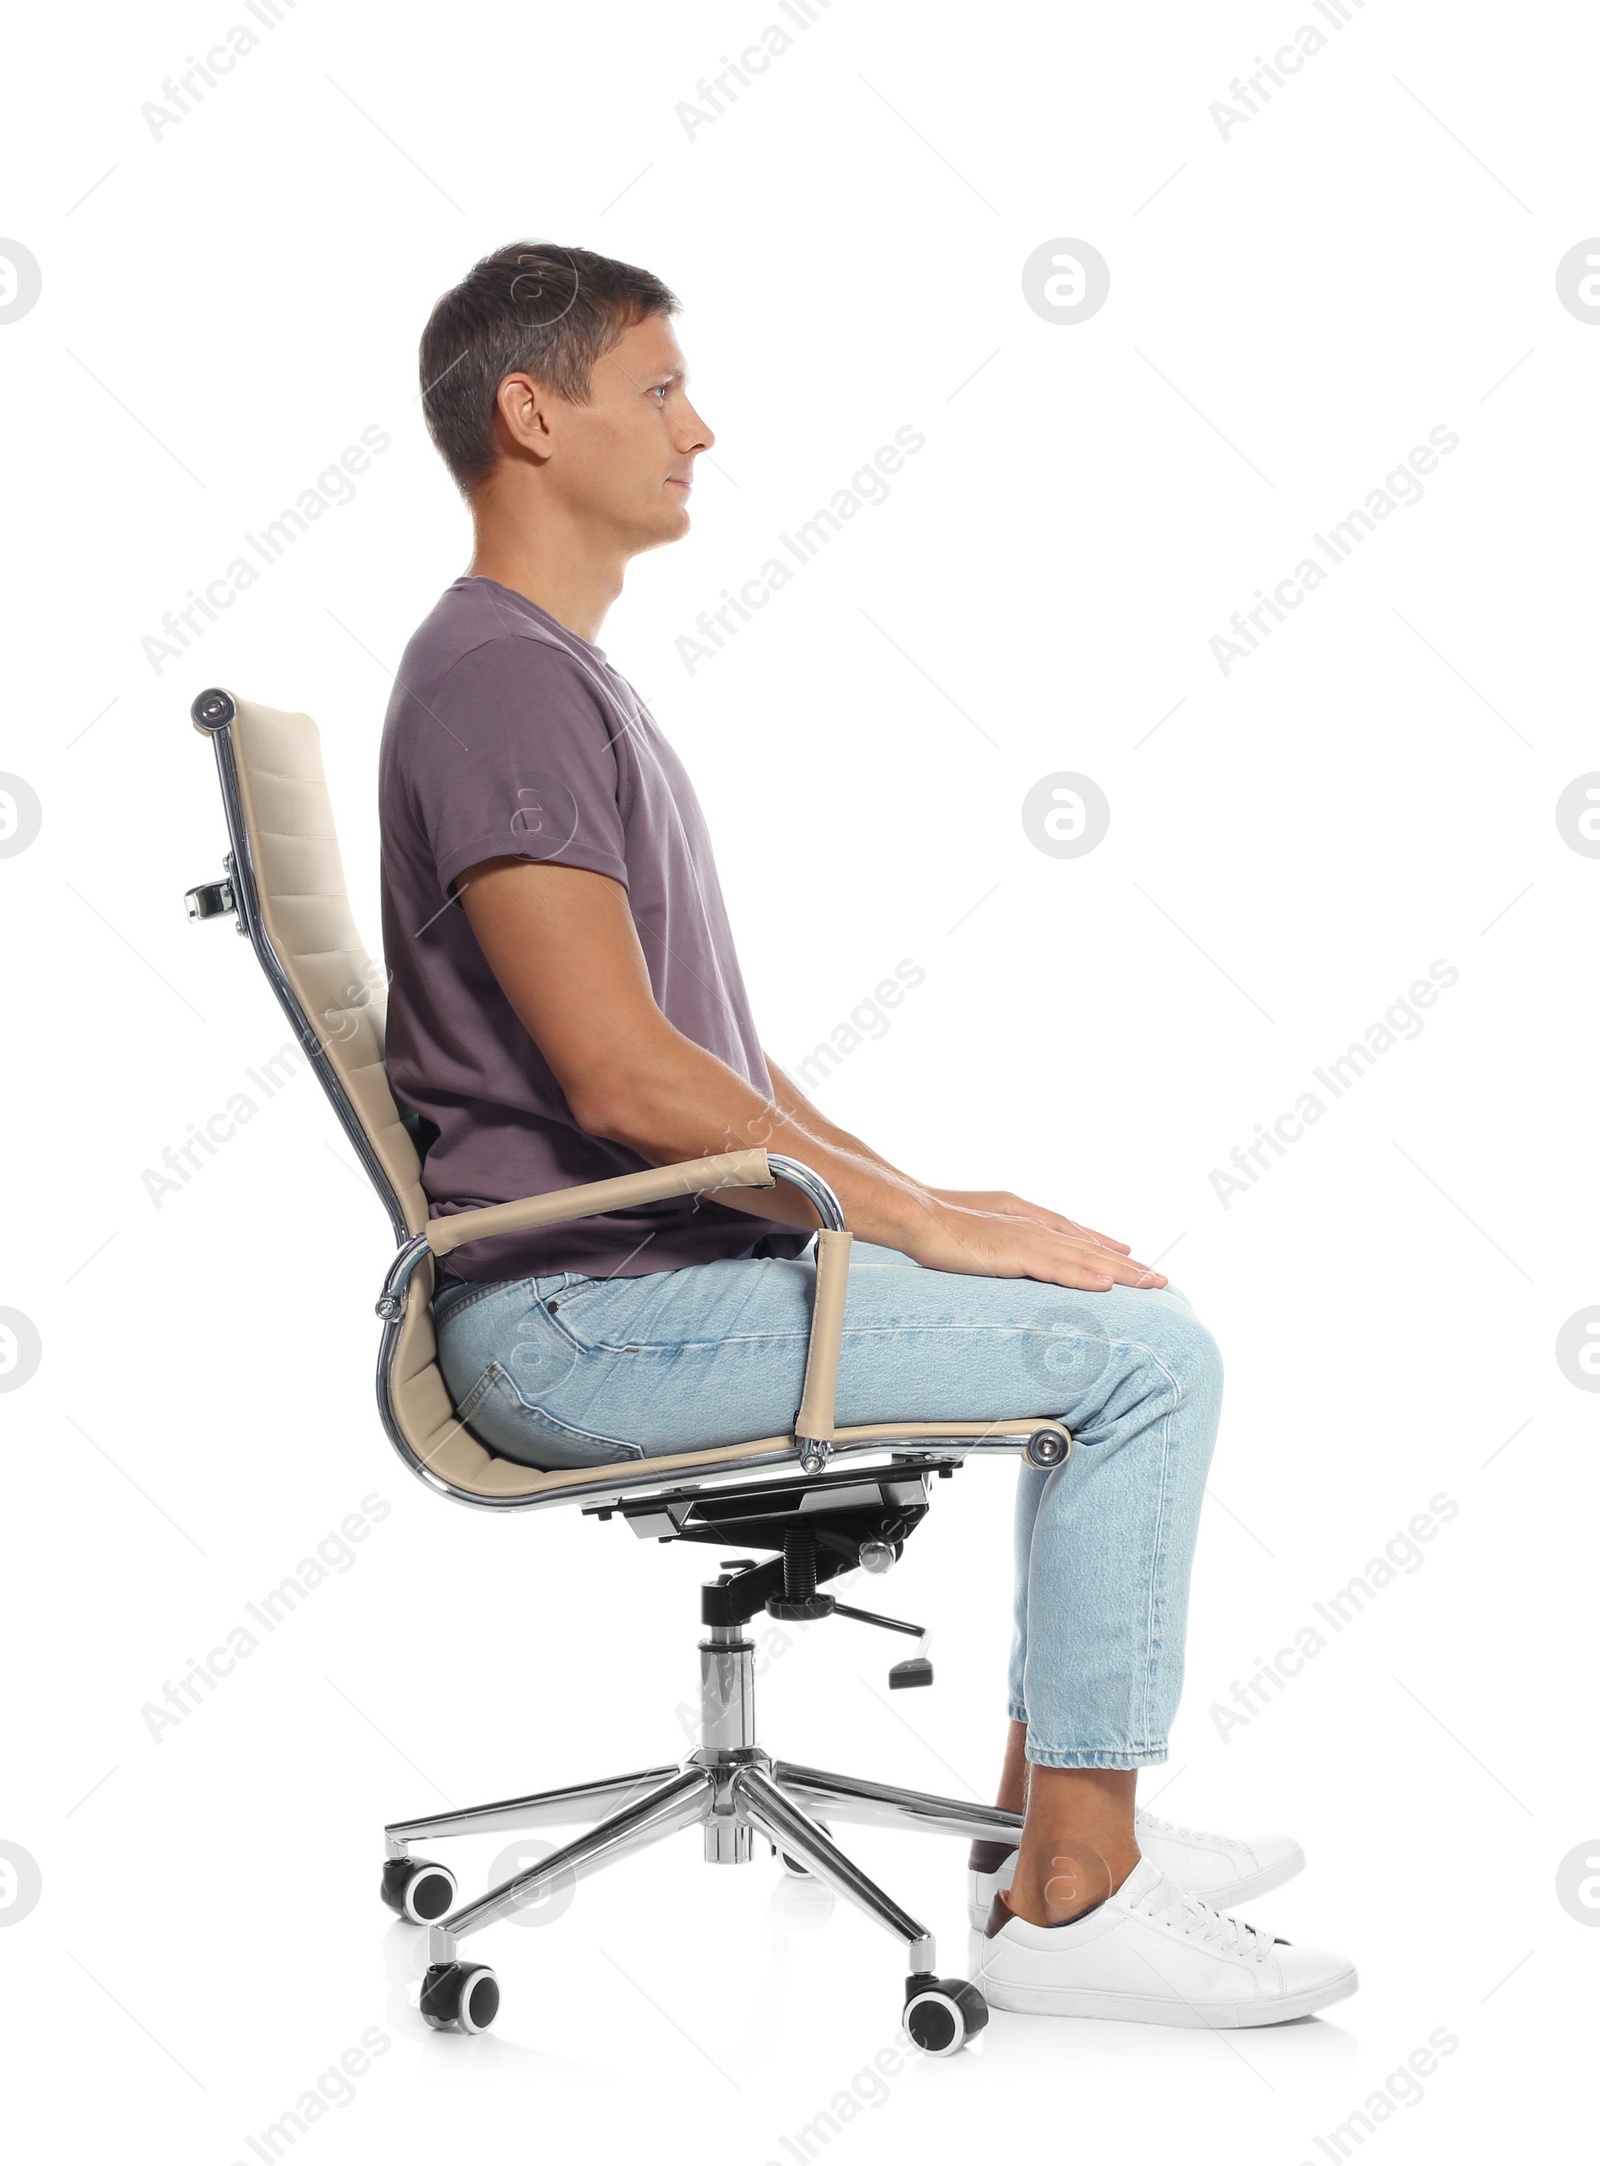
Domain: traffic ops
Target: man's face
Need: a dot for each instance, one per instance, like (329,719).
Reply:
(625,461)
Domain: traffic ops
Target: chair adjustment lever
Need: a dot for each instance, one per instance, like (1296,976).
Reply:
(916,1669)
(870,1616)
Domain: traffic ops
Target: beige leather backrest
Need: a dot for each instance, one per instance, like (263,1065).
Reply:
(306,914)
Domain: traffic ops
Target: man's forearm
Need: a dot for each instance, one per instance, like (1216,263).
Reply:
(675,1101)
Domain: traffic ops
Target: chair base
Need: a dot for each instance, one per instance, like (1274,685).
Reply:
(731,1789)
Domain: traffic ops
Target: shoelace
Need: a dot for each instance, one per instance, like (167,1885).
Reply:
(1196,1920)
(1170,1827)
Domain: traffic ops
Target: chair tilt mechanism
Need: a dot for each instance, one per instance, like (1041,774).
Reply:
(825,1498)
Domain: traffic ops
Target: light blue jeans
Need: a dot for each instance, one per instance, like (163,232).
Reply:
(565,1371)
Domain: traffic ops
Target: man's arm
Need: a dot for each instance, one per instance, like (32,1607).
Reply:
(562,944)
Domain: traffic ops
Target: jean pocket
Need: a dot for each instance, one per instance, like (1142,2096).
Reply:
(504,1419)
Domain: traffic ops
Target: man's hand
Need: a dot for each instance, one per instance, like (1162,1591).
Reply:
(952,1235)
(994,1203)
(1003,1204)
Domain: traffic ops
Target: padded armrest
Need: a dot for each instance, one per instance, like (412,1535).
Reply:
(815,1419)
(727,1169)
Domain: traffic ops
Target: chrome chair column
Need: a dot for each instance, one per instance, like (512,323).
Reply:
(727,1738)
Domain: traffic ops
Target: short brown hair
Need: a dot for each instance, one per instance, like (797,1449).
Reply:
(531,306)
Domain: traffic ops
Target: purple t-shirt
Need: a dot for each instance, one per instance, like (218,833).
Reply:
(509,736)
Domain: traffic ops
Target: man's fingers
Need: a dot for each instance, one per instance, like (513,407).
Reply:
(1101,1271)
(1079,1231)
(1087,1280)
(1076,1230)
(1105,1240)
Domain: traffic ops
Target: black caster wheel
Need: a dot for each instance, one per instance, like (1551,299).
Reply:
(460,1996)
(418,1891)
(798,1866)
(941,2014)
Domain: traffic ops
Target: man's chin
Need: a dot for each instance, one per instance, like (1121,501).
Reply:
(672,524)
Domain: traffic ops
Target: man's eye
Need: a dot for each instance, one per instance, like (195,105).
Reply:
(660,390)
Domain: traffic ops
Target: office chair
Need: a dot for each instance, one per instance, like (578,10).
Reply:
(823,1499)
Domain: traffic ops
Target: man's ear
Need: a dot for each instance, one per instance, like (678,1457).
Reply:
(522,407)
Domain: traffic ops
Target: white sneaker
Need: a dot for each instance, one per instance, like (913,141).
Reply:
(1152,1953)
(1222,1868)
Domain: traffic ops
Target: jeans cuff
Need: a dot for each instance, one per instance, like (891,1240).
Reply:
(1090,1756)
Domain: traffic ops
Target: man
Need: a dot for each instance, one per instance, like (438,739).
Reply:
(566,1005)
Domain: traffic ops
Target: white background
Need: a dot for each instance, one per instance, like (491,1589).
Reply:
(1292,308)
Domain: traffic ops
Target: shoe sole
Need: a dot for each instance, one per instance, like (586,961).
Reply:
(1041,2000)
(1224,1898)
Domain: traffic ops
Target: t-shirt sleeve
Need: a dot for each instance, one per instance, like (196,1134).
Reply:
(513,758)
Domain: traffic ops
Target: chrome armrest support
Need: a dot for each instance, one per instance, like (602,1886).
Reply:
(812,1186)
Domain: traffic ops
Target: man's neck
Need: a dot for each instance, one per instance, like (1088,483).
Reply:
(570,572)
